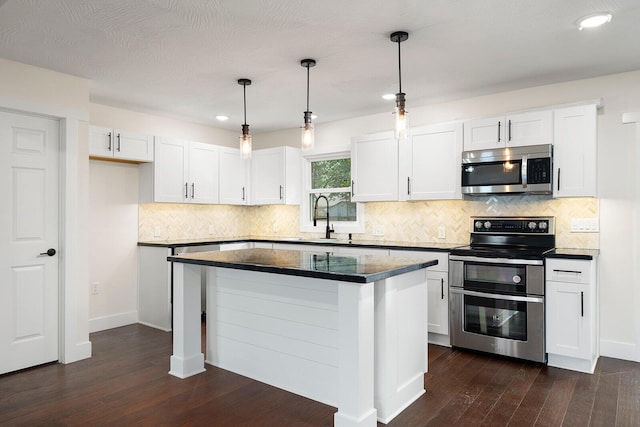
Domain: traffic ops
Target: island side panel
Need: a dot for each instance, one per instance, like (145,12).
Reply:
(187,358)
(278,329)
(356,372)
(400,347)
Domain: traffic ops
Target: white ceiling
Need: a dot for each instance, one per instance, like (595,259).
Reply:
(183,57)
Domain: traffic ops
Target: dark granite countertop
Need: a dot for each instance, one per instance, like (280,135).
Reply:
(585,254)
(374,244)
(307,263)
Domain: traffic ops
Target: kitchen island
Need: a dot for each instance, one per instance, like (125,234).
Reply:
(347,331)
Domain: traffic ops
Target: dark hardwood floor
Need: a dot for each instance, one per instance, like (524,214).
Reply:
(126,383)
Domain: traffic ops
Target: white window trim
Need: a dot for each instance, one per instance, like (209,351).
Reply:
(306,225)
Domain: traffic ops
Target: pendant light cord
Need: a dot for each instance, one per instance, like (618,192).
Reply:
(399,68)
(244,90)
(307,87)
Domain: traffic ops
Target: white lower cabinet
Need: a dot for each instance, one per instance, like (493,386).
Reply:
(437,294)
(572,314)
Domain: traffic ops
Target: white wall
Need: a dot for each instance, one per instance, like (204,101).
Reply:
(113,237)
(617,177)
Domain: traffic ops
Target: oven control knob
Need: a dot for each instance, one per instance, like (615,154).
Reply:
(478,225)
(542,225)
(517,279)
(487,225)
(532,225)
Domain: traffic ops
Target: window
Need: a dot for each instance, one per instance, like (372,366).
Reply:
(328,185)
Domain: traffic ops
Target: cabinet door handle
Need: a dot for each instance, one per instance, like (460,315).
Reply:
(243,193)
(509,131)
(281,192)
(109,146)
(499,125)
(582,304)
(408,186)
(441,288)
(352,186)
(186,190)
(558,179)
(118,149)
(193,190)
(567,271)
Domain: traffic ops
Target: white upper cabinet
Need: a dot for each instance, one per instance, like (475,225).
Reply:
(108,143)
(183,172)
(275,176)
(374,168)
(430,163)
(574,151)
(512,130)
(233,177)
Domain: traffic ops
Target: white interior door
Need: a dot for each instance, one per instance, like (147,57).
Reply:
(28,229)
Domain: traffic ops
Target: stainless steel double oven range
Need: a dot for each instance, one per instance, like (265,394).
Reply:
(496,287)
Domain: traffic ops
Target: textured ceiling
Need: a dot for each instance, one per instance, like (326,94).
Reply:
(183,57)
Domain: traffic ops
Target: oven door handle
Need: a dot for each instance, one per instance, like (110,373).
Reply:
(496,260)
(495,296)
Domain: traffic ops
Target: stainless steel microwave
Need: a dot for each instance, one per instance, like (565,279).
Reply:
(526,169)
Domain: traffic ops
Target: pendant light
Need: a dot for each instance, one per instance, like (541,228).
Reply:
(307,136)
(245,139)
(400,113)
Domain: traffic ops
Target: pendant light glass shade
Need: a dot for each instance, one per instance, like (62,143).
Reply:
(245,139)
(400,113)
(307,137)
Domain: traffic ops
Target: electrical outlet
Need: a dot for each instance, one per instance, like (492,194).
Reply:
(442,234)
(157,232)
(378,230)
(212,229)
(95,288)
(584,225)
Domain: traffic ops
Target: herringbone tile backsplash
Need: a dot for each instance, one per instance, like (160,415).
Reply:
(402,221)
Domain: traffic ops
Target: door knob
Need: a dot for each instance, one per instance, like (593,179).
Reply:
(50,252)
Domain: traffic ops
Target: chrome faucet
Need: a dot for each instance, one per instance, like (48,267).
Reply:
(328,230)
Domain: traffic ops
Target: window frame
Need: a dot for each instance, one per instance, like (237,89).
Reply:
(306,224)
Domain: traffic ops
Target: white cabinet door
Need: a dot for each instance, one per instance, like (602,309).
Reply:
(117,144)
(233,177)
(374,168)
(568,332)
(133,146)
(170,176)
(275,176)
(575,140)
(531,128)
(483,134)
(430,163)
(267,177)
(203,173)
(512,130)
(438,302)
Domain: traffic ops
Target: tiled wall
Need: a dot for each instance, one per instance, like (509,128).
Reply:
(402,221)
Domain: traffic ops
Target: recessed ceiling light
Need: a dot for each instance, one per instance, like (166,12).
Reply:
(593,21)
(222,118)
(389,96)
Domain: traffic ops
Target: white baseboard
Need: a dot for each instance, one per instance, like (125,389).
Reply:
(80,351)
(618,350)
(113,321)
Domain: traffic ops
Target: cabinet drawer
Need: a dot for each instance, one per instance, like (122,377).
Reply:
(568,271)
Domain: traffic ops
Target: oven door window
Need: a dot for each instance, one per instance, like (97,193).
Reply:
(510,278)
(492,173)
(495,317)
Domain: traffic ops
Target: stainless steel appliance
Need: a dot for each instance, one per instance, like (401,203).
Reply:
(497,287)
(525,169)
